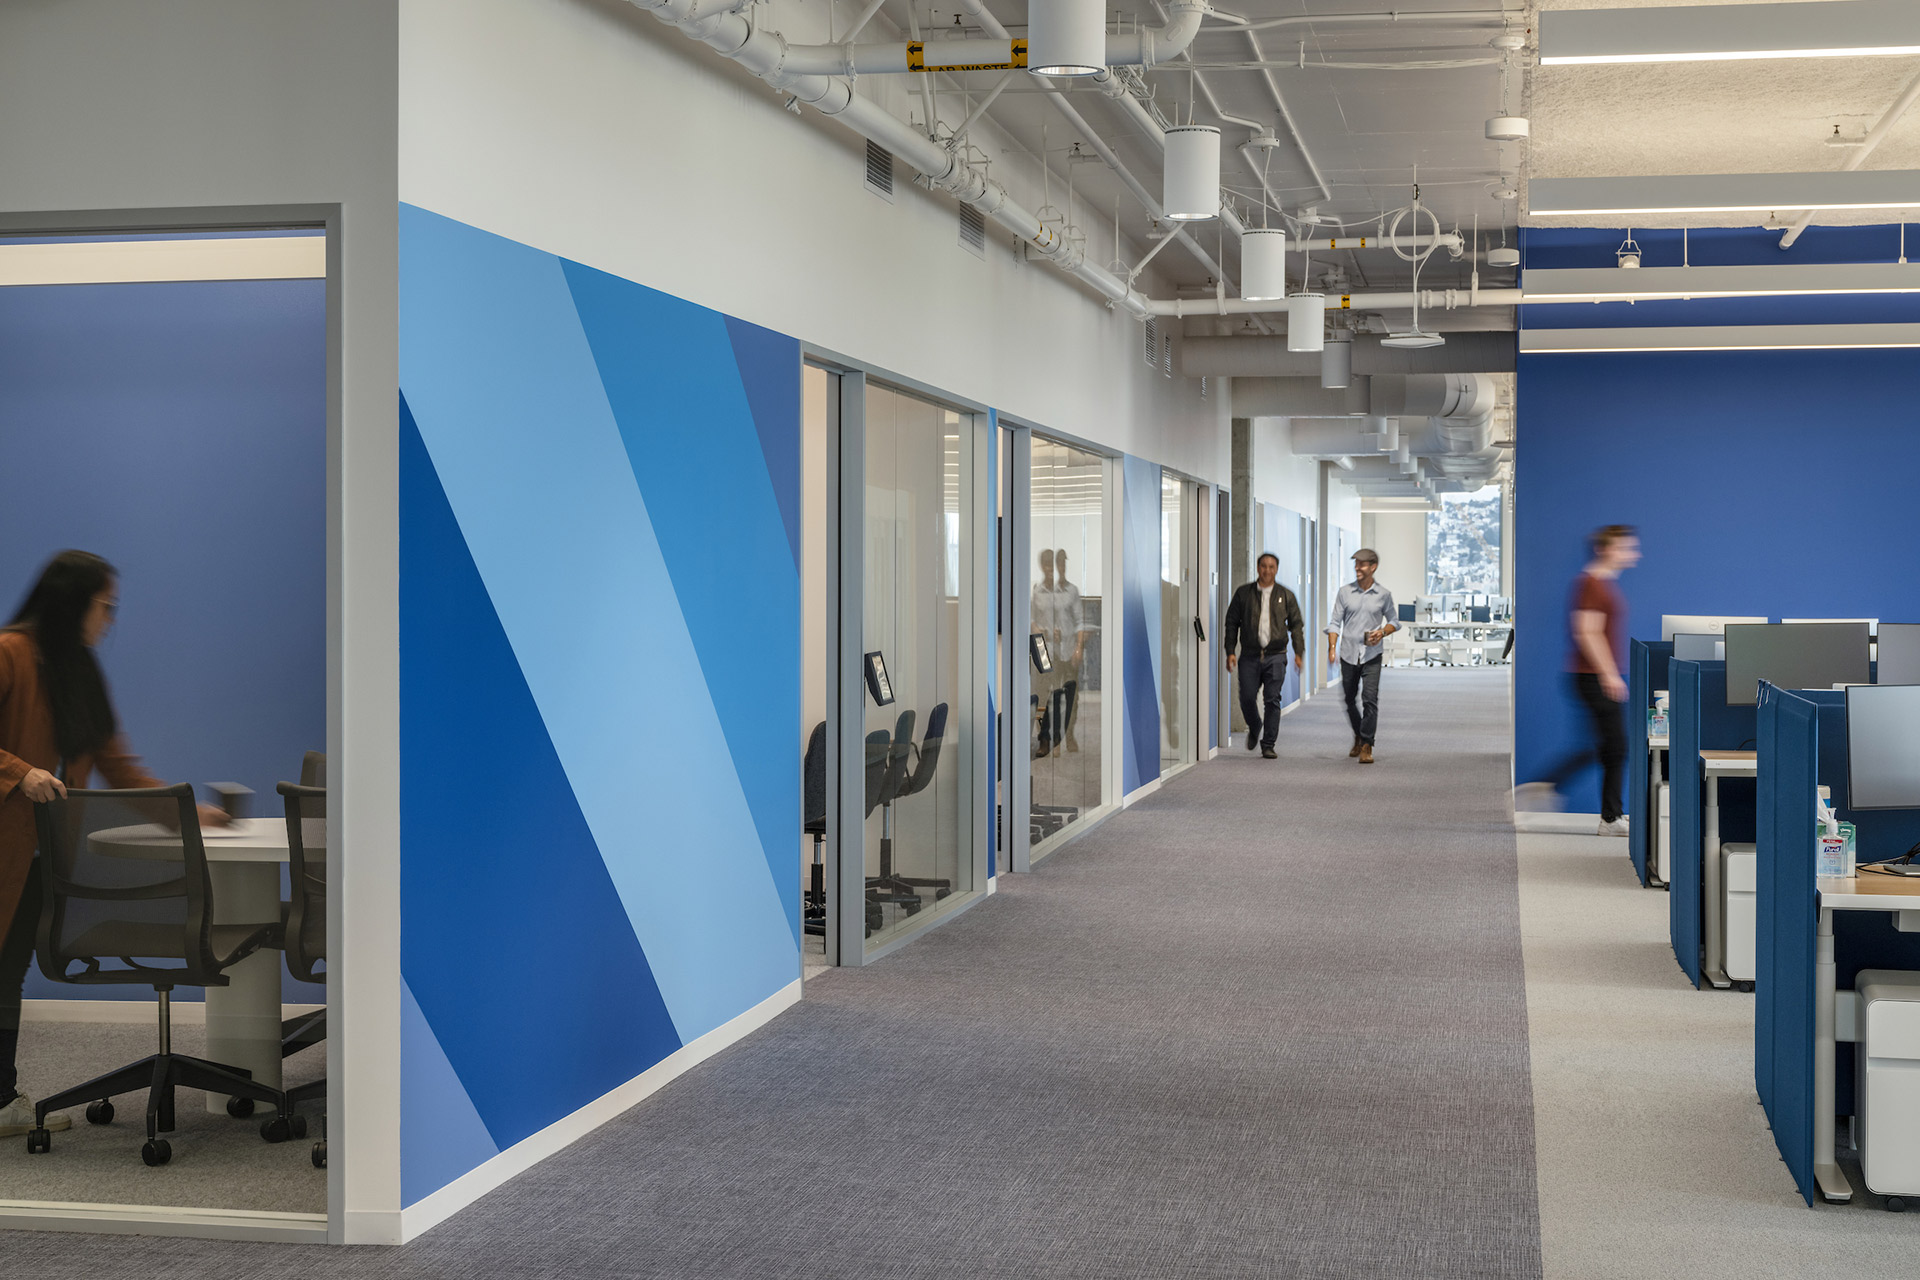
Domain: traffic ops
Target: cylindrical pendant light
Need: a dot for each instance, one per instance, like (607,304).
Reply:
(1306,322)
(1191,186)
(1066,37)
(1263,264)
(1336,360)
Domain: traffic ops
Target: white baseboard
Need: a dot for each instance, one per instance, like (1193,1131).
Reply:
(993,885)
(1580,824)
(152,1220)
(417,1219)
(185,1013)
(1144,790)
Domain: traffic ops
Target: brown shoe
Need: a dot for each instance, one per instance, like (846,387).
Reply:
(1357,744)
(1366,753)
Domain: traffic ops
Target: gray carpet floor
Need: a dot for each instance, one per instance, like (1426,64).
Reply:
(1269,1022)
(218,1162)
(1655,1157)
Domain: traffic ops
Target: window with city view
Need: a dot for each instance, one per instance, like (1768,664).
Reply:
(1463,543)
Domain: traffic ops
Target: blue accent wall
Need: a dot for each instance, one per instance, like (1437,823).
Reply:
(179,430)
(600,484)
(1756,478)
(1140,606)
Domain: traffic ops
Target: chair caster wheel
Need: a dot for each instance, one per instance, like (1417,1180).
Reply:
(276,1129)
(39,1141)
(239,1108)
(1746,987)
(299,1126)
(100,1112)
(1896,1205)
(157,1152)
(320,1154)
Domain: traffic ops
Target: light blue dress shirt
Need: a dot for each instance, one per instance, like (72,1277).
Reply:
(1356,612)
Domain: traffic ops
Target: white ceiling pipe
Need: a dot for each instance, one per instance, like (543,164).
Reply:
(1255,357)
(763,53)
(1859,154)
(1434,395)
(1435,299)
(1286,118)
(1451,241)
(1145,47)
(1456,17)
(1342,437)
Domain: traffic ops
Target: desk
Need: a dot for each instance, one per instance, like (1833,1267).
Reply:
(1717,765)
(243,861)
(1868,892)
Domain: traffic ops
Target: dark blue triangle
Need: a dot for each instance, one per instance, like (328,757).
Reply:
(769,366)
(513,939)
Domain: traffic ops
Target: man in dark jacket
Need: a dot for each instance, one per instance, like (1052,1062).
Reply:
(1261,617)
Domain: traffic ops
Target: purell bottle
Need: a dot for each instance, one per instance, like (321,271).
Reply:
(1830,858)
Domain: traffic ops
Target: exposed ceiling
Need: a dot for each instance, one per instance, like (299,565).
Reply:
(1773,116)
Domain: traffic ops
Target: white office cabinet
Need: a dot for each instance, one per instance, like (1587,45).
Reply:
(1663,834)
(1740,867)
(1887,1073)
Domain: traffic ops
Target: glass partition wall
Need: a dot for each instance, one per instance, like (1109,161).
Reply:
(920,608)
(1176,622)
(1067,566)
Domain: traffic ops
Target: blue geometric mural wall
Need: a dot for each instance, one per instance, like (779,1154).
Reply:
(1140,605)
(599,621)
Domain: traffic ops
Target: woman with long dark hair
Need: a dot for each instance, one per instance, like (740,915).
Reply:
(57,728)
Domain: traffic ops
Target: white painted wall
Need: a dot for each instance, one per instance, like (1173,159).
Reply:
(120,105)
(1278,475)
(590,130)
(1401,539)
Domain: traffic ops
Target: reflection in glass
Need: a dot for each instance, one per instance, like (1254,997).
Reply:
(916,528)
(1067,522)
(1176,617)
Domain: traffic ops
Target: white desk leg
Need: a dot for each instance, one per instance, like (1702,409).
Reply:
(1651,837)
(1833,1183)
(243,1017)
(1714,902)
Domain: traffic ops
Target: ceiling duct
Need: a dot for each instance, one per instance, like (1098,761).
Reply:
(1261,357)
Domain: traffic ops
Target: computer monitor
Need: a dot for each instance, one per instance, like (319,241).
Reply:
(1479,600)
(1406,613)
(1699,646)
(1815,655)
(1697,623)
(1481,613)
(1872,623)
(1899,653)
(1883,746)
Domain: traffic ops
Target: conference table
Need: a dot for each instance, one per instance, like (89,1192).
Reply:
(243,862)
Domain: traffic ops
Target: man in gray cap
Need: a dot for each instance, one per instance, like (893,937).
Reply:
(1363,617)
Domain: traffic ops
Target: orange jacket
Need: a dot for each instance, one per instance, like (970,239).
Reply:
(27,742)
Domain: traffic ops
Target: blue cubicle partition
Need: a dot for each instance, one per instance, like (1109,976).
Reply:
(1699,719)
(1647,673)
(1802,744)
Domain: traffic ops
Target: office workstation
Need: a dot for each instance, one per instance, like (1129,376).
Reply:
(1837,1015)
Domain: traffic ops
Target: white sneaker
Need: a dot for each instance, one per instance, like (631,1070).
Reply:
(1537,797)
(17,1117)
(1618,827)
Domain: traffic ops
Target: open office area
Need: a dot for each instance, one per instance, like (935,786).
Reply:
(829,637)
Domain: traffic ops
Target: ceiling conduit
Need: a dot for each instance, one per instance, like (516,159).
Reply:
(1444,438)
(764,53)
(1145,47)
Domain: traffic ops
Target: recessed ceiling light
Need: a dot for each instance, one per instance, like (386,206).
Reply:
(1730,32)
(1604,284)
(1756,337)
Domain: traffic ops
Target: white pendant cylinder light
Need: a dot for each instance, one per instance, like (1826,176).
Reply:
(1066,37)
(1263,264)
(1306,322)
(1336,363)
(1190,188)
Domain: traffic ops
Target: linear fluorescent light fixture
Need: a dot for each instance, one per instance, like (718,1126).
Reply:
(1723,192)
(103,261)
(1610,284)
(1729,32)
(1736,337)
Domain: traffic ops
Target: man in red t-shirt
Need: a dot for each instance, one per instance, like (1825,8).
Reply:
(1596,659)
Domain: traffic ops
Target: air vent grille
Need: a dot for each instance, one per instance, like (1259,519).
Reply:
(879,170)
(1166,354)
(1152,338)
(973,231)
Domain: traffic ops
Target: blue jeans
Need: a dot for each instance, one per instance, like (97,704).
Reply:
(1261,680)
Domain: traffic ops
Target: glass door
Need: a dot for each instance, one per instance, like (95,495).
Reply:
(919,607)
(1067,567)
(1176,622)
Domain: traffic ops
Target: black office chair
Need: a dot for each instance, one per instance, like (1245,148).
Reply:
(925,766)
(107,898)
(813,815)
(313,769)
(306,928)
(888,760)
